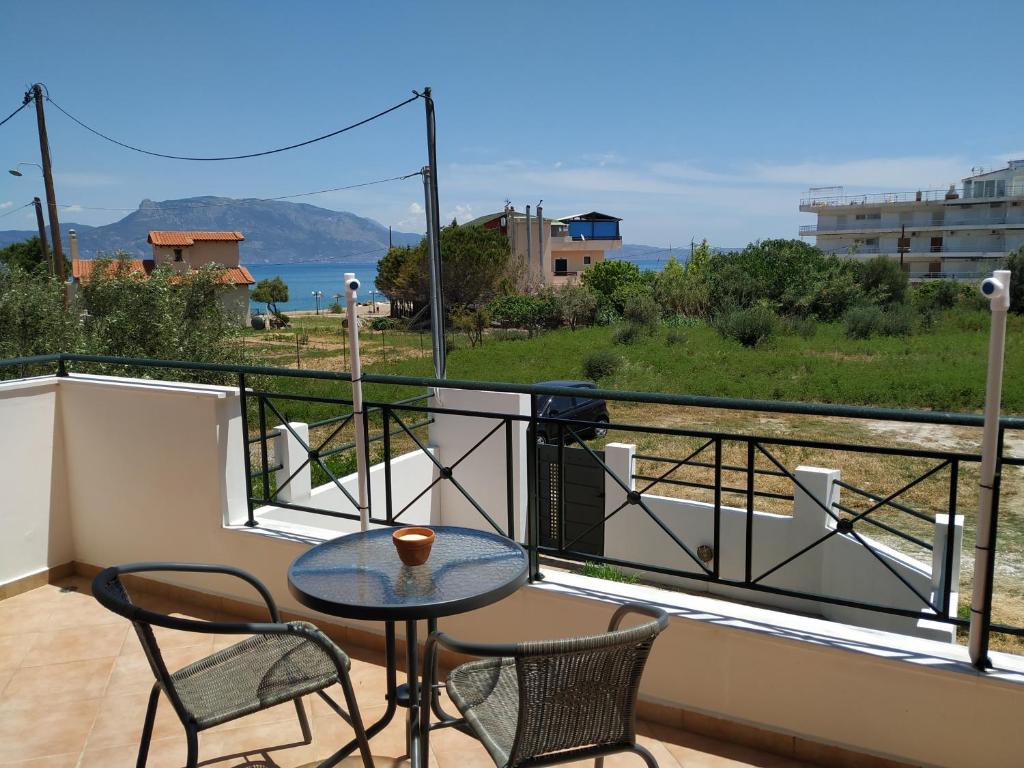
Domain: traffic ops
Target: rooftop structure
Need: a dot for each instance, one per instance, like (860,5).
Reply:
(960,233)
(570,244)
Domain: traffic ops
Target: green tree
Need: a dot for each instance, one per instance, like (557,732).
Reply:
(613,280)
(1015,263)
(578,305)
(270,291)
(33,320)
(26,255)
(884,280)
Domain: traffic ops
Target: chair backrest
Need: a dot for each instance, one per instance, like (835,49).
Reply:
(109,589)
(580,693)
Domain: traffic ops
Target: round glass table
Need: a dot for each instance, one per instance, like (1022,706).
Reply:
(359,576)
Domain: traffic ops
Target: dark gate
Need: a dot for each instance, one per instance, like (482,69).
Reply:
(571,497)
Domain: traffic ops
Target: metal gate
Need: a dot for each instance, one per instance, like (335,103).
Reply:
(571,499)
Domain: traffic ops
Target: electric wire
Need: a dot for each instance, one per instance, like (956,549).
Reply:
(14,113)
(11,213)
(233,157)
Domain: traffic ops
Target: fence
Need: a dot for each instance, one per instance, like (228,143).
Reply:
(750,468)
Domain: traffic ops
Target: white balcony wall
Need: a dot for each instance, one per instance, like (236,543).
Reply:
(839,567)
(35,531)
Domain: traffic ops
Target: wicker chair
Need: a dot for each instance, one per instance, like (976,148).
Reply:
(280,662)
(546,702)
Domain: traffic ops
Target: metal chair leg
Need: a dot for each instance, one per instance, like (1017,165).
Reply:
(646,755)
(599,762)
(193,746)
(357,721)
(147,728)
(307,735)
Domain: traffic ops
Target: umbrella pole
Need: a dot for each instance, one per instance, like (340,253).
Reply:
(358,415)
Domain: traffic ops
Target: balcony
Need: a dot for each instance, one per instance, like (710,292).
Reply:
(814,581)
(817,202)
(959,222)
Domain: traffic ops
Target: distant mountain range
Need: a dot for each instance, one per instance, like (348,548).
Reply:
(276,231)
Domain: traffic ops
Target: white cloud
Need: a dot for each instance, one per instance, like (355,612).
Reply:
(461,213)
(415,208)
(903,173)
(74,207)
(6,204)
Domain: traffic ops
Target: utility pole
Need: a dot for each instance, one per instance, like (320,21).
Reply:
(540,241)
(901,246)
(51,199)
(529,247)
(437,315)
(390,246)
(42,234)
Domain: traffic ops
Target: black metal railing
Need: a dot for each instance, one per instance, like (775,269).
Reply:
(750,468)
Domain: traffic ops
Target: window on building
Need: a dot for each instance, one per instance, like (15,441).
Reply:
(871,242)
(177,255)
(586,259)
(1001,188)
(936,245)
(990,188)
(869,216)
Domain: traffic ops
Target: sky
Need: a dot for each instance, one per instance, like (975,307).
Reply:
(689,120)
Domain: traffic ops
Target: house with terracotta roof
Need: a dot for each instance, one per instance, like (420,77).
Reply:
(185,251)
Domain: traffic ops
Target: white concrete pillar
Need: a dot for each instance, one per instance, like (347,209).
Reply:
(808,513)
(290,454)
(939,543)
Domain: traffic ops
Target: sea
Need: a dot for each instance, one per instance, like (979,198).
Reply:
(329,278)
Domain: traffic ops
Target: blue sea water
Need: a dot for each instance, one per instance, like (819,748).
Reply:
(303,279)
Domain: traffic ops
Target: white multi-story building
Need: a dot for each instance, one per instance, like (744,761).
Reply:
(962,233)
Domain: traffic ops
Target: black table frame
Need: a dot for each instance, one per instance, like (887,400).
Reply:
(408,694)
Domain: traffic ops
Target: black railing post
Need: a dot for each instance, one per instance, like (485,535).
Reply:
(366,458)
(947,561)
(559,511)
(532,521)
(265,469)
(62,369)
(749,546)
(715,568)
(509,481)
(243,403)
(389,513)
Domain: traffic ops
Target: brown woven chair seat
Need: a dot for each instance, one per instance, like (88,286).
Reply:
(252,675)
(486,692)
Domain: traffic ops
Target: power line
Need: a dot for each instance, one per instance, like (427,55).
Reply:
(234,157)
(14,113)
(246,200)
(11,213)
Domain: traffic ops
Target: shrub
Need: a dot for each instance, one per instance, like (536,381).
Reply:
(898,320)
(747,326)
(335,308)
(628,333)
(386,324)
(884,280)
(936,295)
(608,277)
(862,322)
(804,327)
(675,336)
(597,365)
(1015,263)
(641,309)
(577,304)
(606,314)
(473,323)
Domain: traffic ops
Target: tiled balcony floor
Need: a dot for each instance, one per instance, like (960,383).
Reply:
(74,684)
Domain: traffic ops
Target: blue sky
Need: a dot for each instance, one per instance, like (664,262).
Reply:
(696,119)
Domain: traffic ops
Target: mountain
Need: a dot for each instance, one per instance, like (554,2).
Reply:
(275,231)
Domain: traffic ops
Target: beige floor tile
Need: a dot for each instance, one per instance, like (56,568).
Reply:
(14,648)
(75,645)
(120,719)
(5,677)
(279,742)
(163,753)
(69,760)
(42,728)
(81,679)
(78,610)
(132,673)
(696,751)
(21,619)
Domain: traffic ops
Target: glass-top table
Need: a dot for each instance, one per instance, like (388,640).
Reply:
(359,576)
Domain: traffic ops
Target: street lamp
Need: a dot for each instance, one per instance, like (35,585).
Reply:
(317,295)
(15,172)
(39,217)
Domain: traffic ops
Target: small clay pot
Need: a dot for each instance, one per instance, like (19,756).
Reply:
(413,544)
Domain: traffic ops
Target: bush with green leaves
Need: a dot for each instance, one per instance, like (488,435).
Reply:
(601,364)
(473,323)
(33,320)
(883,280)
(641,309)
(749,326)
(675,336)
(1015,263)
(537,311)
(578,305)
(804,327)
(628,333)
(862,322)
(386,324)
(897,320)
(937,295)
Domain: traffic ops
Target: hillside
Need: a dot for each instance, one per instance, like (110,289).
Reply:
(275,231)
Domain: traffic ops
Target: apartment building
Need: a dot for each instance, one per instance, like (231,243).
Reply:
(961,232)
(555,251)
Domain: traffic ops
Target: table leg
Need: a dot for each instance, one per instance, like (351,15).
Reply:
(412,733)
(390,657)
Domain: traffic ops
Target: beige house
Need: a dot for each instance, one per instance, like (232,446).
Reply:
(570,244)
(185,251)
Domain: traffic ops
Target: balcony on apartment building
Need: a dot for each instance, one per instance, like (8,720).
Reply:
(811,567)
(876,226)
(953,196)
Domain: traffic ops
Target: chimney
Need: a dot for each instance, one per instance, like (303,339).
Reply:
(73,237)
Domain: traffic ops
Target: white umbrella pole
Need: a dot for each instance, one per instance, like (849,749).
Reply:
(362,471)
(997,289)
